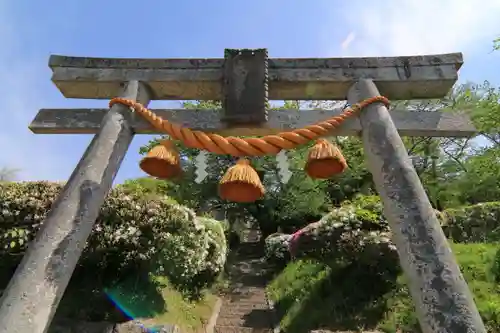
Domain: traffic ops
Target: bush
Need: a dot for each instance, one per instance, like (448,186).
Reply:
(370,203)
(276,249)
(345,234)
(217,245)
(473,224)
(354,232)
(131,234)
(24,206)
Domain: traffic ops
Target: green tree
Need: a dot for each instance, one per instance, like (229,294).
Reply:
(448,167)
(472,172)
(8,174)
(294,204)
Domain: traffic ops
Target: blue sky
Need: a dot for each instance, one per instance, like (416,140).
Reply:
(30,31)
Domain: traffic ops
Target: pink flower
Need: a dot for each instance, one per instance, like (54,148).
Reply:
(295,236)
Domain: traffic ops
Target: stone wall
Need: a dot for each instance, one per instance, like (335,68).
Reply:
(66,326)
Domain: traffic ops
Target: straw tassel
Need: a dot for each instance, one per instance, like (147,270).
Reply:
(241,183)
(162,161)
(325,160)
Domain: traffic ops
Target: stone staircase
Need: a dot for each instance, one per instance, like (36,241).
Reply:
(244,306)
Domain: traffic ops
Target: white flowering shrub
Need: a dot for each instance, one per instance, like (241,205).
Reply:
(22,213)
(356,231)
(339,236)
(182,247)
(217,245)
(276,248)
(473,224)
(131,233)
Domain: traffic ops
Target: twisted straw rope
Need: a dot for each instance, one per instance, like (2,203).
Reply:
(266,145)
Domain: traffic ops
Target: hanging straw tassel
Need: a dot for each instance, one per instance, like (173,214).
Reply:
(325,160)
(162,161)
(241,183)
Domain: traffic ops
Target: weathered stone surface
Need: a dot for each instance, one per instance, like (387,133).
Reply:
(218,63)
(245,87)
(68,326)
(412,77)
(31,298)
(442,299)
(408,123)
(137,327)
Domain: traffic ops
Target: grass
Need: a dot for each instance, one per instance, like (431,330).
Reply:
(189,316)
(151,301)
(313,295)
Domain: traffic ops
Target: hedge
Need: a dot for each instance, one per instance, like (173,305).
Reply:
(131,234)
(473,224)
(277,250)
(347,231)
(356,231)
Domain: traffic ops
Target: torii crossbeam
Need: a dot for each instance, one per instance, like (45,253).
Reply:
(244,80)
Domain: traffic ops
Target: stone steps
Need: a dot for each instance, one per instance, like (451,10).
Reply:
(263,322)
(242,297)
(244,308)
(235,329)
(239,311)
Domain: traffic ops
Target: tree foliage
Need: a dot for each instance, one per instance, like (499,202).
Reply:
(133,233)
(454,171)
(8,174)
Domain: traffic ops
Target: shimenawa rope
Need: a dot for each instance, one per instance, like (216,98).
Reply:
(231,145)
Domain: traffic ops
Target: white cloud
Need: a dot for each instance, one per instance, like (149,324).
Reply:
(408,27)
(348,40)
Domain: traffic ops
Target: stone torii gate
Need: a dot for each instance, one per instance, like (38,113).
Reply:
(244,80)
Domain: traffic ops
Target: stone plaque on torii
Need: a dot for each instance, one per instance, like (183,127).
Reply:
(244,80)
